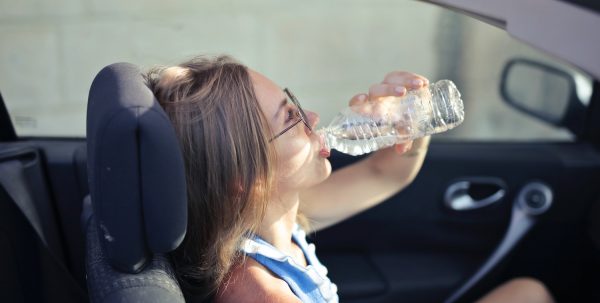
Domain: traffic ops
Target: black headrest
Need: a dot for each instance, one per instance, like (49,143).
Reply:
(135,168)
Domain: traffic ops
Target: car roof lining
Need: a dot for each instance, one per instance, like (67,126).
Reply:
(538,23)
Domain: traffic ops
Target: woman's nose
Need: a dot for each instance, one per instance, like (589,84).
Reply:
(313,119)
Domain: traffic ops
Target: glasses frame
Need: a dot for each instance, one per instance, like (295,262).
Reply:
(300,114)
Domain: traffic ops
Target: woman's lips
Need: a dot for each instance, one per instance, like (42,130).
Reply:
(324,152)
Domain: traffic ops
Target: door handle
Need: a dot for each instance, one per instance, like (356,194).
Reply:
(533,200)
(458,197)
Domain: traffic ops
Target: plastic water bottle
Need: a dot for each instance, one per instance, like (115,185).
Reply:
(368,127)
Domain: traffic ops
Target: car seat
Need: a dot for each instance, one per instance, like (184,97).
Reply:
(137,213)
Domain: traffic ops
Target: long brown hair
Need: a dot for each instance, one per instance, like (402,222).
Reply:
(224,139)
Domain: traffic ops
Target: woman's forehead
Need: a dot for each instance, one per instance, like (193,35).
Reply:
(268,93)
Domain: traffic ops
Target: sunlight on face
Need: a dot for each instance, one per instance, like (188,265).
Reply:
(299,163)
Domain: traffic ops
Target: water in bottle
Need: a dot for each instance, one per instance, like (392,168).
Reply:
(377,124)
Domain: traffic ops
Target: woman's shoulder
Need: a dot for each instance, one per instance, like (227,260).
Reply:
(249,281)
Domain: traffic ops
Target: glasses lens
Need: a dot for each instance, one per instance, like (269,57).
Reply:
(300,110)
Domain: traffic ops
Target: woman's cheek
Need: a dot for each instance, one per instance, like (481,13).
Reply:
(294,147)
(293,155)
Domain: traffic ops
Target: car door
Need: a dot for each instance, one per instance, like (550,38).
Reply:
(41,243)
(417,249)
(504,197)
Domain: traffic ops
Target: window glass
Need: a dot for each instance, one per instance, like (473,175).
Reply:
(325,51)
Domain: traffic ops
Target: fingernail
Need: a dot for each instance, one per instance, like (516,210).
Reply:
(400,89)
(362,97)
(417,82)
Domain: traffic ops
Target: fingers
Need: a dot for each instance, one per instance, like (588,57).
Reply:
(395,84)
(359,99)
(410,80)
(380,90)
(361,104)
(377,91)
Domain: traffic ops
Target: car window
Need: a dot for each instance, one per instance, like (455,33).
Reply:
(324,51)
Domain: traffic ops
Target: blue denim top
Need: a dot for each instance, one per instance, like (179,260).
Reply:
(310,284)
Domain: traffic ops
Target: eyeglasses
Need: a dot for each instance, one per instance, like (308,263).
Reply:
(300,114)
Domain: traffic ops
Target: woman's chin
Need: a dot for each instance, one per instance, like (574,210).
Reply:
(326,169)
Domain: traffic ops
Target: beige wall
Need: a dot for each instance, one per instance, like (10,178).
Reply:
(325,51)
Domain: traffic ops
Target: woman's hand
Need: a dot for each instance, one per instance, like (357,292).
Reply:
(376,102)
(377,177)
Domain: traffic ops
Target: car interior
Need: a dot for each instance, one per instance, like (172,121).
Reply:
(137,194)
(93,219)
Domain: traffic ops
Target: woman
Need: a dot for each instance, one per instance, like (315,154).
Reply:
(256,172)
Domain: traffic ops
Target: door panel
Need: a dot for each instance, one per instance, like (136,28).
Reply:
(63,171)
(67,173)
(38,236)
(423,250)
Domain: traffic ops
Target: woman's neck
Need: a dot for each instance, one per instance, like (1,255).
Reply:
(278,223)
